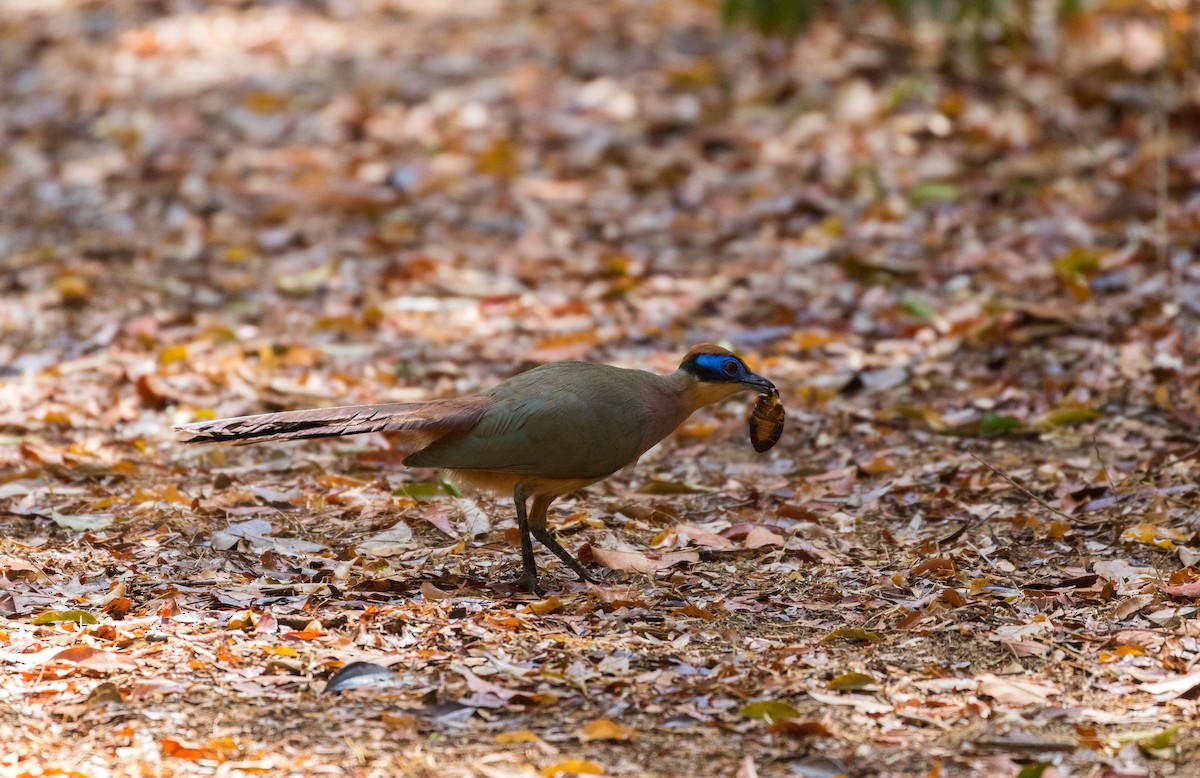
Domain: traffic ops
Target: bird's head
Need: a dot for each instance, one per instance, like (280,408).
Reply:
(713,373)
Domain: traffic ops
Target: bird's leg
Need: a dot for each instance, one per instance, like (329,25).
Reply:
(529,580)
(537,525)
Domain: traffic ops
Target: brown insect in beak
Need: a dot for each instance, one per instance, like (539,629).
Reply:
(766,421)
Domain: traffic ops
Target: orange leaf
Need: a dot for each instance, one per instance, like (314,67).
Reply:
(571,767)
(548,605)
(118,606)
(180,750)
(603,729)
(172,354)
(1058,529)
(952,598)
(938,565)
(404,722)
(878,466)
(308,634)
(692,610)
(498,160)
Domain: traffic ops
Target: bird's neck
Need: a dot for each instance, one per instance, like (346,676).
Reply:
(694,394)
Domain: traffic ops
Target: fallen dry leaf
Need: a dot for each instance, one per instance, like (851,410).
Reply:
(95,659)
(1173,686)
(637,562)
(761,536)
(1013,690)
(571,767)
(603,729)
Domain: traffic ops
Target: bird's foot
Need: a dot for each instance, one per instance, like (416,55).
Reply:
(597,578)
(530,584)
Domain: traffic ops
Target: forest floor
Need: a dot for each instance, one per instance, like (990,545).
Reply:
(973,552)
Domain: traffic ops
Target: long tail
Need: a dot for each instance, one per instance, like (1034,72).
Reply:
(424,422)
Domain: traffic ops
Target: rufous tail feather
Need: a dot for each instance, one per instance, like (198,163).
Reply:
(425,421)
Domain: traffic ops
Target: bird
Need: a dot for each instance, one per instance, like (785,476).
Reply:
(538,435)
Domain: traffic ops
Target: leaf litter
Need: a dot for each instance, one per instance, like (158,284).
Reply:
(973,550)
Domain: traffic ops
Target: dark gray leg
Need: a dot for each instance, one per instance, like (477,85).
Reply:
(537,525)
(529,580)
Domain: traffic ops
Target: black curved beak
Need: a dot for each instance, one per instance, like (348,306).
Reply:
(759,384)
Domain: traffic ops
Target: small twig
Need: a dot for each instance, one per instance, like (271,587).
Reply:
(1181,458)
(1103,466)
(1162,122)
(1118,525)
(1021,489)
(913,717)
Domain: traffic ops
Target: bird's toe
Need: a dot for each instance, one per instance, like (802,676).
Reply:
(596,577)
(532,586)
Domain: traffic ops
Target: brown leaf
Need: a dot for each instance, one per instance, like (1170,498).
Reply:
(863,702)
(801,729)
(106,693)
(267,624)
(940,567)
(637,562)
(400,722)
(694,612)
(483,686)
(690,533)
(1190,590)
(434,594)
(761,536)
(95,659)
(1174,686)
(1016,691)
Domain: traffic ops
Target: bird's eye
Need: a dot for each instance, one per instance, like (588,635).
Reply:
(730,367)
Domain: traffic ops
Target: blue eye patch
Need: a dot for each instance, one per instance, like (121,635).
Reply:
(715,365)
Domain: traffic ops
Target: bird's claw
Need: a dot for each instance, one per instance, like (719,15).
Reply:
(597,578)
(531,585)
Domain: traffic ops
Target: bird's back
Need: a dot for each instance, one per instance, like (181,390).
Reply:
(566,420)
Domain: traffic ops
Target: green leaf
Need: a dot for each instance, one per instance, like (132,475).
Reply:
(998,424)
(89,522)
(770,17)
(1067,417)
(52,617)
(425,490)
(854,682)
(1078,262)
(667,487)
(304,283)
(1158,745)
(934,192)
(1034,770)
(771,710)
(918,309)
(450,487)
(852,633)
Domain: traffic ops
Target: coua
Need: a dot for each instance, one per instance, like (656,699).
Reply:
(540,434)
